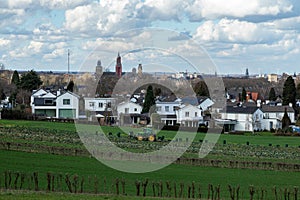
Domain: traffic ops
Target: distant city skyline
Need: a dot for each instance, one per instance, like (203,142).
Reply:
(261,35)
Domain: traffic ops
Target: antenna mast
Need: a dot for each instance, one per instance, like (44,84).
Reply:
(68,61)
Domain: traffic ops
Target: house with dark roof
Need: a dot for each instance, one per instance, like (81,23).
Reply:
(167,111)
(55,104)
(273,116)
(203,103)
(243,118)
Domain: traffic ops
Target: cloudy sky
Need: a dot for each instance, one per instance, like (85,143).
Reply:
(262,35)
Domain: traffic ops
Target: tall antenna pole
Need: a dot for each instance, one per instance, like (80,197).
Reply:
(68,61)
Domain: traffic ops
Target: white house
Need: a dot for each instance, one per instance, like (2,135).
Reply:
(129,108)
(273,116)
(189,115)
(43,103)
(167,111)
(244,118)
(65,105)
(99,105)
(131,111)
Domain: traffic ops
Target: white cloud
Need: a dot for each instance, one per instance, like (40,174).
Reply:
(161,10)
(54,54)
(212,9)
(291,23)
(4,42)
(19,3)
(106,17)
(62,4)
(110,45)
(235,31)
(35,47)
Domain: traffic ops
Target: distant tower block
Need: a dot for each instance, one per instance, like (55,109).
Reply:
(119,66)
(99,70)
(140,70)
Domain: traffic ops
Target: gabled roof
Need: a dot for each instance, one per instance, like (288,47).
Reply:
(240,109)
(190,100)
(68,92)
(38,92)
(49,95)
(129,102)
(183,107)
(267,108)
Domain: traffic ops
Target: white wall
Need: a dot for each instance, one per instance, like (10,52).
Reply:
(266,124)
(74,103)
(245,122)
(97,102)
(279,115)
(133,108)
(192,110)
(161,108)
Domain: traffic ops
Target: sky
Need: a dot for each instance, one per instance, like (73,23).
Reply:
(163,35)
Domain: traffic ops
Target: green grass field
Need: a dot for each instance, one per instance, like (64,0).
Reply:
(13,195)
(64,135)
(258,139)
(84,166)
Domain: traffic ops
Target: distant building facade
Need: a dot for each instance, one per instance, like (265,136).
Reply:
(273,78)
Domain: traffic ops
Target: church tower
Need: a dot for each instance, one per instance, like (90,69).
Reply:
(119,66)
(99,70)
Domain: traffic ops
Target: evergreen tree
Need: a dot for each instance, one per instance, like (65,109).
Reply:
(289,91)
(244,94)
(298,91)
(15,78)
(149,100)
(70,86)
(30,81)
(201,89)
(272,95)
(3,96)
(286,121)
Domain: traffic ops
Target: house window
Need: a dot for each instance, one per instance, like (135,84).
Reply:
(92,104)
(135,109)
(100,105)
(167,108)
(66,102)
(126,110)
(109,104)
(48,101)
(187,114)
(158,108)
(267,116)
(196,114)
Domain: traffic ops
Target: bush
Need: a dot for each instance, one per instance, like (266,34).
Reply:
(201,129)
(14,114)
(272,130)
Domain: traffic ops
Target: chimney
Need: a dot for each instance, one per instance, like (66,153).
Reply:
(58,93)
